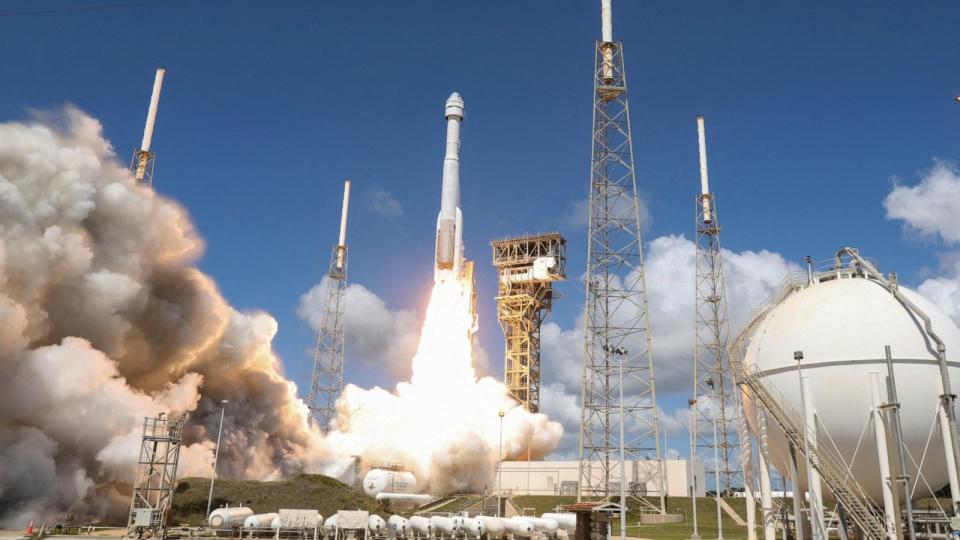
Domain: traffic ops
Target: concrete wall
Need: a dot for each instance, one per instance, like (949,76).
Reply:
(561,477)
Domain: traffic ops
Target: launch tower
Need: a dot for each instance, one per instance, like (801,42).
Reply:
(526,267)
(156,476)
(143,159)
(619,420)
(327,380)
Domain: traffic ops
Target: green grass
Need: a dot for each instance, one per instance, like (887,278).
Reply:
(706,517)
(304,491)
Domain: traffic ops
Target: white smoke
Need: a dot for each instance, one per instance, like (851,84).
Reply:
(105,320)
(444,423)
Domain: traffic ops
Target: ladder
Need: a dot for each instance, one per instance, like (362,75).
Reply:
(828,463)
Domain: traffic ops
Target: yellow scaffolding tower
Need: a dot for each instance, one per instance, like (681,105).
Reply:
(526,266)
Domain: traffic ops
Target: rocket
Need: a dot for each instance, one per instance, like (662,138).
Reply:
(449,257)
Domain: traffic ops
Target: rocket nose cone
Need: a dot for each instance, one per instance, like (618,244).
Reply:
(454,106)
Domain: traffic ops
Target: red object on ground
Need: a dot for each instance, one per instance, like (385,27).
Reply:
(30,528)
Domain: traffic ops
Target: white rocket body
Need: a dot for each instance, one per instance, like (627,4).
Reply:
(449,256)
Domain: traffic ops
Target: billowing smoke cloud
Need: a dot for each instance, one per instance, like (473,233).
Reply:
(105,320)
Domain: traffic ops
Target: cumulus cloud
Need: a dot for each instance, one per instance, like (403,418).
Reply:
(930,206)
(927,208)
(376,335)
(382,203)
(750,277)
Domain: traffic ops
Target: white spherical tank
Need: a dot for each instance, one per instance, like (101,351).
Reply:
(841,326)
(383,481)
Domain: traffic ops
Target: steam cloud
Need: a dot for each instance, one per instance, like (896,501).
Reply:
(104,320)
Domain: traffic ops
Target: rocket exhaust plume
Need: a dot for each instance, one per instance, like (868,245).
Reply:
(444,423)
(104,319)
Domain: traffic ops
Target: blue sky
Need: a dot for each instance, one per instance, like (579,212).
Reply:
(812,110)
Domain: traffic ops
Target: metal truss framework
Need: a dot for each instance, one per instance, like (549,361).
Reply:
(327,381)
(619,420)
(156,475)
(526,266)
(715,396)
(142,166)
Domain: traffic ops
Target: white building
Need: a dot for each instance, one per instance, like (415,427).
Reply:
(562,477)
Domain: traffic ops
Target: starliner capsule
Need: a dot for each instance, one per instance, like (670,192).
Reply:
(449,256)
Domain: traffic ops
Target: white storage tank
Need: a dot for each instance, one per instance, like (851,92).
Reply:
(229,517)
(400,524)
(567,520)
(258,521)
(493,526)
(384,481)
(376,525)
(841,326)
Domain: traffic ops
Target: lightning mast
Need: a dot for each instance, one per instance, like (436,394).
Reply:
(715,437)
(327,381)
(143,159)
(619,420)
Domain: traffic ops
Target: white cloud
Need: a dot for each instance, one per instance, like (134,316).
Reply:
(376,335)
(383,203)
(929,207)
(750,276)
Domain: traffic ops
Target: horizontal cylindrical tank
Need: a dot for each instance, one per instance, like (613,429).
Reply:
(331,523)
(841,326)
(258,521)
(275,522)
(400,524)
(444,525)
(493,526)
(544,525)
(383,481)
(421,524)
(519,526)
(376,524)
(566,521)
(471,527)
(229,517)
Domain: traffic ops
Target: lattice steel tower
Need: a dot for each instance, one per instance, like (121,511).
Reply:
(143,159)
(715,436)
(327,381)
(156,475)
(619,421)
(526,267)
